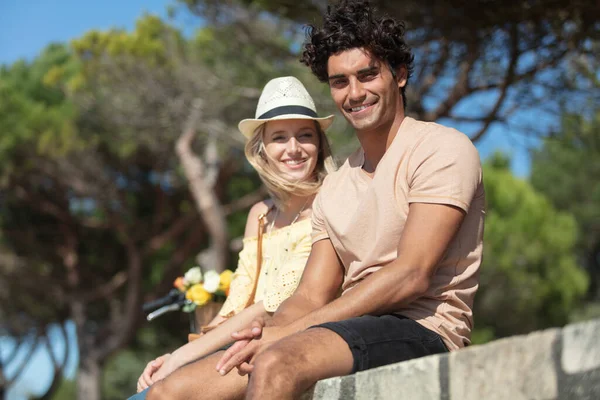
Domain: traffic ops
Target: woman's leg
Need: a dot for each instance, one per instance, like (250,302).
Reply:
(199,380)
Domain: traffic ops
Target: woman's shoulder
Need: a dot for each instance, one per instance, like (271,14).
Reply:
(262,207)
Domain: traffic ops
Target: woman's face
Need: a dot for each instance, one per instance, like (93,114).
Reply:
(292,147)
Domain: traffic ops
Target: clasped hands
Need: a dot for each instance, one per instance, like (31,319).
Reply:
(250,342)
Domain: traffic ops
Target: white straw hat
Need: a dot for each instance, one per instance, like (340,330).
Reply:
(283,98)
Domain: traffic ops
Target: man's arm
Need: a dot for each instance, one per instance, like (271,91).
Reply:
(320,284)
(428,231)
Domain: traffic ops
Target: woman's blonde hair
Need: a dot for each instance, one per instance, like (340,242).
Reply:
(279,187)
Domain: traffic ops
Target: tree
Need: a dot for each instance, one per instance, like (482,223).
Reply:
(95,201)
(529,278)
(566,168)
(94,219)
(508,57)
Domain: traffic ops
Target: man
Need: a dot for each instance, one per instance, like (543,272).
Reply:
(398,229)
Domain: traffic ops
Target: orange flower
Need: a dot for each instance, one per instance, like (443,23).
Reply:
(179,284)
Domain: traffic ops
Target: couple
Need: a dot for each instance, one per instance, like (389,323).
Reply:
(396,232)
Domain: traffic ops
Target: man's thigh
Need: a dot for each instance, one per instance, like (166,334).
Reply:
(199,379)
(381,340)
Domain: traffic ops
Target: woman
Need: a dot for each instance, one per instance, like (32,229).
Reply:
(289,150)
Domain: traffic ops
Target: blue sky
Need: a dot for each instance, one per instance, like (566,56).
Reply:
(26,27)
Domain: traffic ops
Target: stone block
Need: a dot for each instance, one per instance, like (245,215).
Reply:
(517,368)
(581,347)
(415,380)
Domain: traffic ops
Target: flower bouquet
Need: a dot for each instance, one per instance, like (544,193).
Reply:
(202,289)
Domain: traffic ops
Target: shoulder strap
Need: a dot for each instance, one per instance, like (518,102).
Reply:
(261,228)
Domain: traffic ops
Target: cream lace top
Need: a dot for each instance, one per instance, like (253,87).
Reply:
(285,252)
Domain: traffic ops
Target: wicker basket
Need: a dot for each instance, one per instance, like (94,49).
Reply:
(201,317)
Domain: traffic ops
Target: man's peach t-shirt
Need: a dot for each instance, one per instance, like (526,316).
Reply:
(364,218)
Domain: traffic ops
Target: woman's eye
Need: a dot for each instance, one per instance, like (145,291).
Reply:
(306,136)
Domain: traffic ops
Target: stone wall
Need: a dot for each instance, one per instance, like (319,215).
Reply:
(552,364)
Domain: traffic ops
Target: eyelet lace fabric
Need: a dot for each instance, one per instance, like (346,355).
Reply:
(285,252)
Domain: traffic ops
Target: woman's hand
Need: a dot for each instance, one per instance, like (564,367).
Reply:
(147,377)
(169,366)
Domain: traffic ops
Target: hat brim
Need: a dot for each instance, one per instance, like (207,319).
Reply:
(248,126)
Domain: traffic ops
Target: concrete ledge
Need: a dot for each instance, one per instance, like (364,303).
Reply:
(552,364)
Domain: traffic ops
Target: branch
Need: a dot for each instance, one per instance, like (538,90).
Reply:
(211,155)
(174,230)
(204,196)
(23,363)
(14,351)
(245,201)
(103,291)
(58,367)
(461,87)
(525,75)
(508,80)
(438,68)
(124,324)
(180,255)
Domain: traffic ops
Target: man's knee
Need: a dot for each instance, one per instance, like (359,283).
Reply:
(274,363)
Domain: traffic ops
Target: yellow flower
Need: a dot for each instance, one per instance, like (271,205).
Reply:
(225,280)
(198,295)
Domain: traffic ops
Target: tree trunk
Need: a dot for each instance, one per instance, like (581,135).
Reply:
(88,379)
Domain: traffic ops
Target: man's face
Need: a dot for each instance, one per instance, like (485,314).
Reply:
(364,89)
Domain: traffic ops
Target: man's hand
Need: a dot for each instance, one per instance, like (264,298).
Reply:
(242,354)
(242,338)
(147,378)
(252,332)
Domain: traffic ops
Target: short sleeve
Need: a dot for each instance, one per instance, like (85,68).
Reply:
(289,277)
(319,231)
(444,168)
(242,282)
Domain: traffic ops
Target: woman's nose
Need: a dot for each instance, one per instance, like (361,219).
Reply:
(293,145)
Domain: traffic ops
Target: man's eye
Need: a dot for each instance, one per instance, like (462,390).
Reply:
(338,82)
(368,77)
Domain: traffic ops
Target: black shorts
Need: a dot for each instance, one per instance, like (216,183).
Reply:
(387,339)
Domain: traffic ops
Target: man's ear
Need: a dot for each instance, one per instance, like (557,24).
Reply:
(401,76)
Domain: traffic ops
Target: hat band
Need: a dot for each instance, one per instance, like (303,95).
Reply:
(283,110)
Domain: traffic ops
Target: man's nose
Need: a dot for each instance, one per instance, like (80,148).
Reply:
(357,91)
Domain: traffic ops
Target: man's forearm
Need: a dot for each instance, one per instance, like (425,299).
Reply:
(382,292)
(292,309)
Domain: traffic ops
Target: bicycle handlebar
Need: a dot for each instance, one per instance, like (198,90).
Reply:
(175,297)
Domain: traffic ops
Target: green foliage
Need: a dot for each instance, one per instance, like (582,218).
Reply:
(529,278)
(34,114)
(67,390)
(567,170)
(122,370)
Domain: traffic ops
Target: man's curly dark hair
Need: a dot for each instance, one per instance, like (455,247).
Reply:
(352,24)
